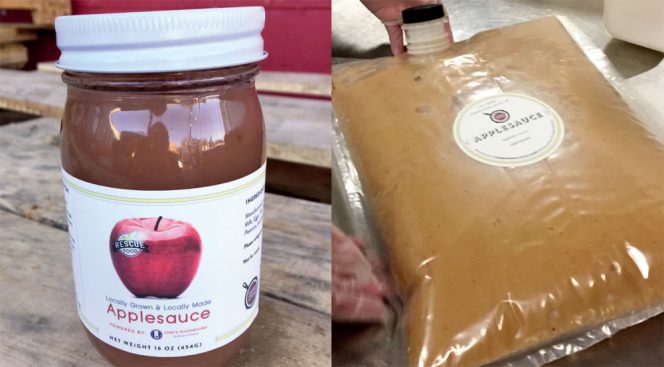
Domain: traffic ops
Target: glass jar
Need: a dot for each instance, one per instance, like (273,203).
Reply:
(163,131)
(164,170)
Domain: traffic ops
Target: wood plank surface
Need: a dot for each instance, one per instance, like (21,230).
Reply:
(43,11)
(305,84)
(299,180)
(48,67)
(26,25)
(309,84)
(12,54)
(298,129)
(40,326)
(19,4)
(296,244)
(11,34)
(30,93)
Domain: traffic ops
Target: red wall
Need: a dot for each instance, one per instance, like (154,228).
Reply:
(297,32)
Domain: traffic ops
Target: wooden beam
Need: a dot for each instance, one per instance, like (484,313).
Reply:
(13,54)
(304,84)
(298,129)
(307,84)
(26,25)
(43,11)
(298,180)
(20,4)
(9,35)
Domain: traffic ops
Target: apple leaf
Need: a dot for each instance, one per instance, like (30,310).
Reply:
(127,236)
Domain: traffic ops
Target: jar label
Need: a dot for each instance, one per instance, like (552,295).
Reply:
(508,130)
(166,273)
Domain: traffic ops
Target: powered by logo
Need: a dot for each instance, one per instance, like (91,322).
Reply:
(499,116)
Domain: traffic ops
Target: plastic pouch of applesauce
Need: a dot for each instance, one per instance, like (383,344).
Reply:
(519,197)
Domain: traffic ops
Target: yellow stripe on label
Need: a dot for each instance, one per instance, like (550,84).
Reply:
(243,325)
(88,323)
(164,201)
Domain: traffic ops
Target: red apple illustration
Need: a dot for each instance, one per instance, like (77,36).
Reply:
(155,257)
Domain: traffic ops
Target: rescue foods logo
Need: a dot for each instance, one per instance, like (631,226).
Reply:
(499,116)
(155,257)
(252,293)
(128,245)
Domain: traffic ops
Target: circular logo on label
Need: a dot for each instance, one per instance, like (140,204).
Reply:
(499,116)
(156,334)
(529,130)
(129,244)
(252,293)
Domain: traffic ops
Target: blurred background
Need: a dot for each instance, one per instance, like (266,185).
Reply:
(357,33)
(294,83)
(297,32)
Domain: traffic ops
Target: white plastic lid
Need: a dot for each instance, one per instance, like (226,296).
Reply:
(161,41)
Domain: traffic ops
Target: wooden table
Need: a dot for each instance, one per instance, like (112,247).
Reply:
(38,321)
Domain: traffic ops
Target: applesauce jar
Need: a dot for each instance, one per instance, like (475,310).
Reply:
(163,161)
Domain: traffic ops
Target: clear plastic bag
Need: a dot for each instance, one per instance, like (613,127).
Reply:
(524,264)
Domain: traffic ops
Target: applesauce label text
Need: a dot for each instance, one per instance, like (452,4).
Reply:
(508,130)
(166,273)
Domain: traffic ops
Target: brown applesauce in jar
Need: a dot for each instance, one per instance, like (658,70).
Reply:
(146,132)
(162,131)
(136,133)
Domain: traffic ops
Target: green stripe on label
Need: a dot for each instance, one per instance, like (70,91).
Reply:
(88,323)
(164,201)
(243,325)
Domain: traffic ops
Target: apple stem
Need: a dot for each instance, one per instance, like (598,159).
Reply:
(156,225)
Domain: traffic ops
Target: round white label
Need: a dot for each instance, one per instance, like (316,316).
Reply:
(508,130)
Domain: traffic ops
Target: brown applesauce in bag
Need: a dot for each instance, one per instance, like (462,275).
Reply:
(546,223)
(164,173)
